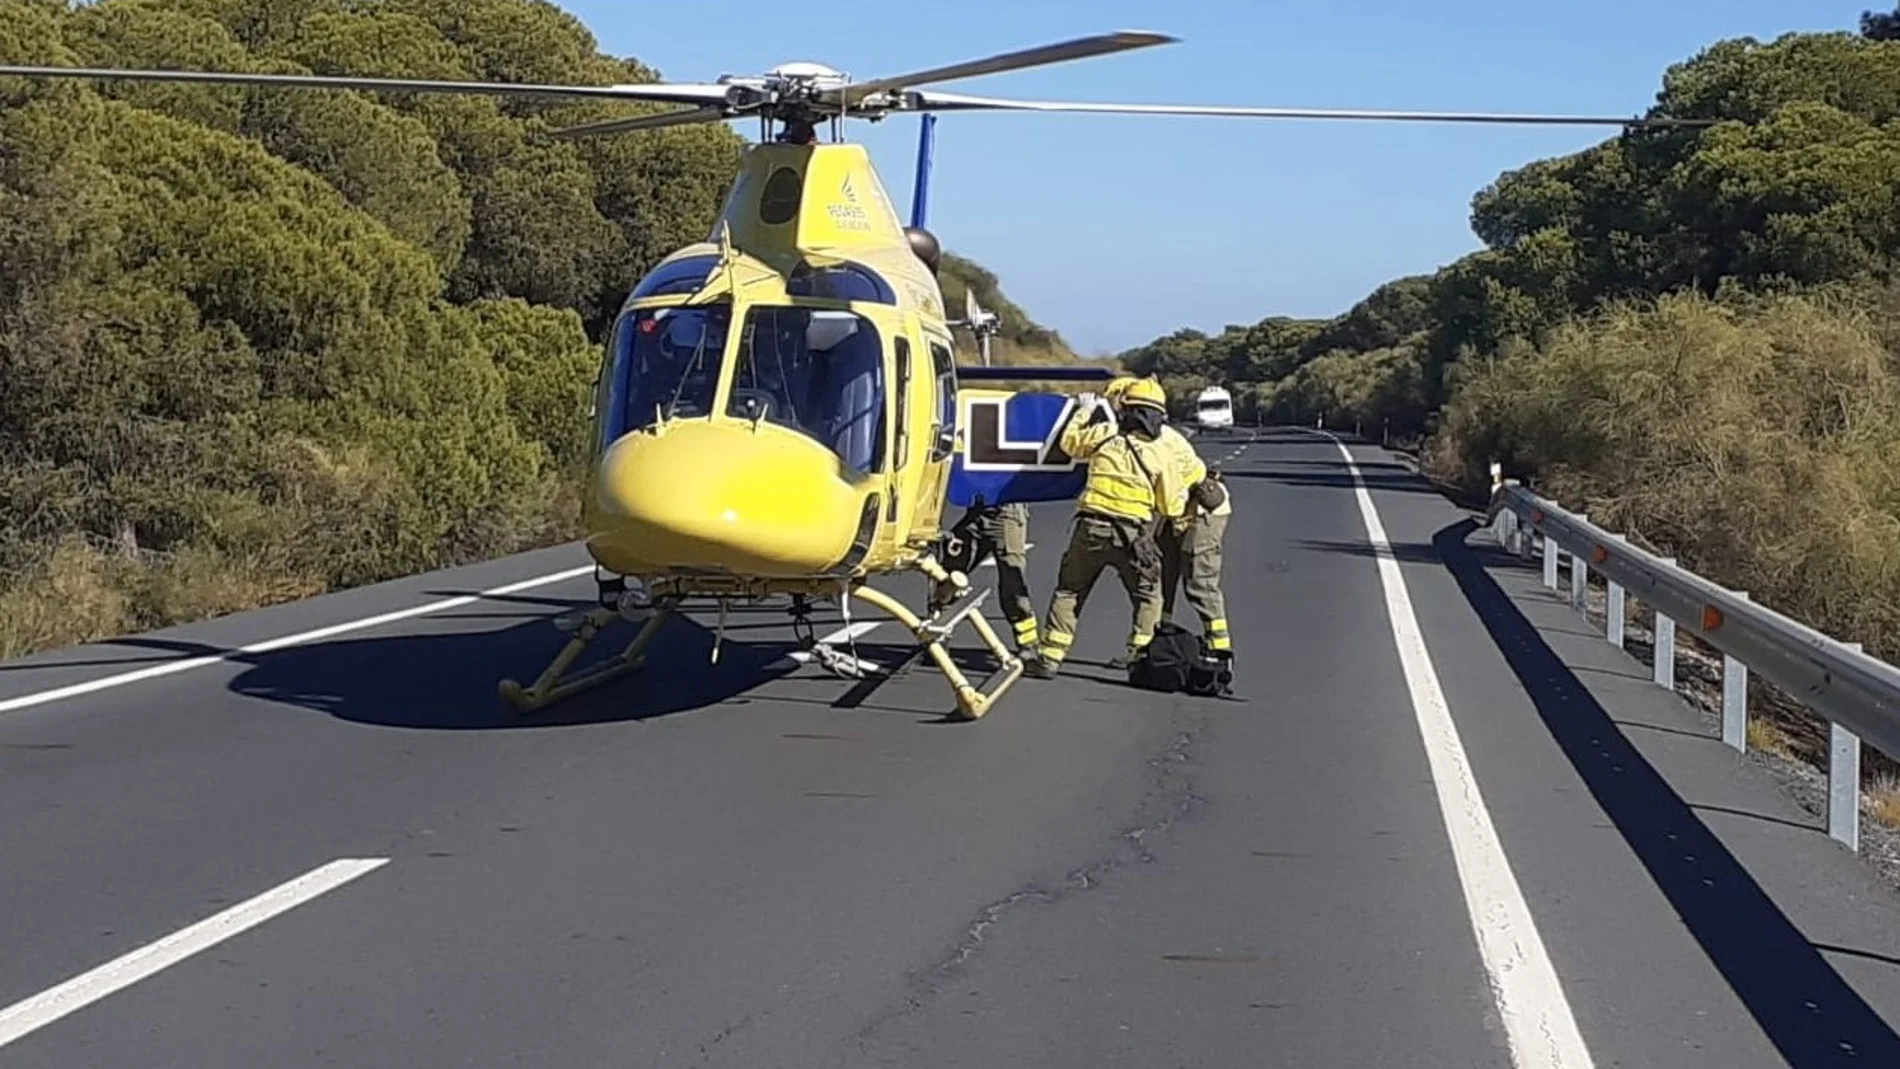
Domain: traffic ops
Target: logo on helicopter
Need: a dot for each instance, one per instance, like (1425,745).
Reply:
(1010,449)
(1029,442)
(848,215)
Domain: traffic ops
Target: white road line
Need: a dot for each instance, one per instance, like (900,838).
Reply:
(48,1006)
(1538,1023)
(174,667)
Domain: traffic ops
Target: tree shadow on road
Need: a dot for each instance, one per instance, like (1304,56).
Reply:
(1406,552)
(1341,480)
(1806,1009)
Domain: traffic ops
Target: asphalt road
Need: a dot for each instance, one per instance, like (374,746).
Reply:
(746,864)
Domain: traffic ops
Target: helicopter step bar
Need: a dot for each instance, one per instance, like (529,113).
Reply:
(932,632)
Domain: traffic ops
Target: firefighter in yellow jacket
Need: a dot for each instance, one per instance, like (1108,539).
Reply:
(1132,484)
(1191,545)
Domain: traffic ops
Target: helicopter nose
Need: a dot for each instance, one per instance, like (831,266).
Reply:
(730,497)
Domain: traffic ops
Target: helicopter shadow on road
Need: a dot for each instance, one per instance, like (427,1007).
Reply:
(447,681)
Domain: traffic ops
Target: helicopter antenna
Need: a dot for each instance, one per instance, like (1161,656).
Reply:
(982,323)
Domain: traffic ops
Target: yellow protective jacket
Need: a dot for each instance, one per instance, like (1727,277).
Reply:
(1190,469)
(1128,479)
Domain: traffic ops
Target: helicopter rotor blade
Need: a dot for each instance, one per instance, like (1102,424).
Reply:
(1042,55)
(659,92)
(929,101)
(685,117)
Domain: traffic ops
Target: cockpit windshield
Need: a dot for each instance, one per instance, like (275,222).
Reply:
(666,365)
(817,372)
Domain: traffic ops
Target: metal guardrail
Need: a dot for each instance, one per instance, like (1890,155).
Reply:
(1857,694)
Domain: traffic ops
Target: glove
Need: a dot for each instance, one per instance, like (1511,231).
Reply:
(1208,493)
(1089,405)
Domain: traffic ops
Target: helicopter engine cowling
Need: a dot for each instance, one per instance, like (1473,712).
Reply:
(725,496)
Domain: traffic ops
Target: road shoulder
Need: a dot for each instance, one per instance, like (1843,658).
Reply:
(1662,866)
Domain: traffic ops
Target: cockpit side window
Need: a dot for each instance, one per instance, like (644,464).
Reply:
(841,282)
(665,365)
(685,275)
(944,365)
(820,373)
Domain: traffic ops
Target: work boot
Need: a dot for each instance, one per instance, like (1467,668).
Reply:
(1225,658)
(1039,667)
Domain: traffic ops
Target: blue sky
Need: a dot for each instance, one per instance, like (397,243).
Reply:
(1116,229)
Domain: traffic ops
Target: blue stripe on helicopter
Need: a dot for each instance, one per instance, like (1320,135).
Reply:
(1009,451)
(998,373)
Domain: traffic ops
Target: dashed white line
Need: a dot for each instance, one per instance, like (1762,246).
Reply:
(38,1011)
(189,663)
(1538,1023)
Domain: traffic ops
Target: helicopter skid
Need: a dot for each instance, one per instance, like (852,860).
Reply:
(551,687)
(933,631)
(951,606)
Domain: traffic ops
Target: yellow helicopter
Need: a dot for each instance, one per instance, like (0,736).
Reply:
(779,412)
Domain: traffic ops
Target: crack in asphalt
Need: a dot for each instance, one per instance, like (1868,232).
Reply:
(1167,799)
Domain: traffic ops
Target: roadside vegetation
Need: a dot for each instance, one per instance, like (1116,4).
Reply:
(1691,335)
(1694,335)
(260,344)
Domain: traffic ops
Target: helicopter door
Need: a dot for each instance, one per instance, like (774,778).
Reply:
(943,431)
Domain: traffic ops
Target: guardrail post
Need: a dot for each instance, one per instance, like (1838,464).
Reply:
(1550,562)
(1513,532)
(1843,782)
(1614,614)
(1735,699)
(1663,671)
(1579,577)
(1735,703)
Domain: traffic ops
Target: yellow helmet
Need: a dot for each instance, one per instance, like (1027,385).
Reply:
(1118,387)
(1145,392)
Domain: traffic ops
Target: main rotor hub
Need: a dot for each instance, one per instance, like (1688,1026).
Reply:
(815,75)
(802,94)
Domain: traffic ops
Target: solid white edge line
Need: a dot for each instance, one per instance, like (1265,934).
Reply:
(1538,1022)
(38,1011)
(139,675)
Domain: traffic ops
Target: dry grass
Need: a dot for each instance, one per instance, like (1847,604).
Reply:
(334,523)
(1759,445)
(1883,799)
(77,592)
